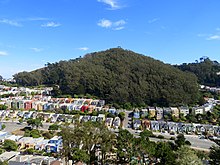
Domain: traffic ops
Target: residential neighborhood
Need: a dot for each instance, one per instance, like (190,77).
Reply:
(23,104)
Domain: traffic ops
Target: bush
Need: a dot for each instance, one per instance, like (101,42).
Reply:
(153,136)
(33,133)
(47,135)
(188,143)
(10,145)
(53,127)
(3,126)
(172,138)
(160,136)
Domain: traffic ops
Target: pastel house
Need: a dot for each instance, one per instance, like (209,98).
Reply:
(54,145)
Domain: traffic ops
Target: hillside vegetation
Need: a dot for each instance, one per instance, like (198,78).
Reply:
(118,76)
(207,71)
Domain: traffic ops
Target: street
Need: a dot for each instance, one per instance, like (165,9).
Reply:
(196,143)
(203,144)
(12,126)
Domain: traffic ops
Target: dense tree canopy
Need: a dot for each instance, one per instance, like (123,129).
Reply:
(206,70)
(187,156)
(118,76)
(214,155)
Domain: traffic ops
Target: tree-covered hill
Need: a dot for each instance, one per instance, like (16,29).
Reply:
(207,71)
(118,76)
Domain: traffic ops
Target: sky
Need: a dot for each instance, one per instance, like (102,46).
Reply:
(35,32)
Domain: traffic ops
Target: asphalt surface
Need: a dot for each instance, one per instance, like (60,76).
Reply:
(13,126)
(202,144)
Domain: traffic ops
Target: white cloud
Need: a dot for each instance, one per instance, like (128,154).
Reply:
(83,48)
(112,3)
(36,49)
(105,23)
(119,28)
(37,19)
(118,25)
(10,22)
(3,53)
(214,37)
(51,24)
(153,20)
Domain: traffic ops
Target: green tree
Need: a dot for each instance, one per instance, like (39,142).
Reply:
(35,133)
(124,78)
(214,155)
(3,126)
(121,115)
(54,127)
(80,155)
(186,156)
(83,140)
(2,150)
(181,140)
(35,123)
(3,163)
(10,145)
(165,153)
(146,134)
(3,107)
(124,146)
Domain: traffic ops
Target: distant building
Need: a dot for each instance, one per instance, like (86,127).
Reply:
(159,115)
(184,110)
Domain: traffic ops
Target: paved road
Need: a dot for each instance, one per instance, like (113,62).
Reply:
(201,144)
(194,140)
(12,126)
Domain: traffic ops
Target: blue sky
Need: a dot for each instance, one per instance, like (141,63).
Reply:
(34,32)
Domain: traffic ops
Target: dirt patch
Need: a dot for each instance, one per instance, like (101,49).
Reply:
(18,132)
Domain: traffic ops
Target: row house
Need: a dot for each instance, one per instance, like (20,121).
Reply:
(181,127)
(48,103)
(184,110)
(167,111)
(28,104)
(54,145)
(136,124)
(159,113)
(108,122)
(117,122)
(175,111)
(144,113)
(136,114)
(198,110)
(208,107)
(152,112)
(146,124)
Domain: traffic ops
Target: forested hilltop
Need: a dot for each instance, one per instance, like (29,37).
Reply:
(207,71)
(118,76)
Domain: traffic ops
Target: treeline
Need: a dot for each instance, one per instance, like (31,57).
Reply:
(206,70)
(118,76)
(83,142)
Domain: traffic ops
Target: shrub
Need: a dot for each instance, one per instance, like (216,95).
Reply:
(172,138)
(160,136)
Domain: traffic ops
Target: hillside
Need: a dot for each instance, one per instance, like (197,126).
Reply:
(118,76)
(206,70)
